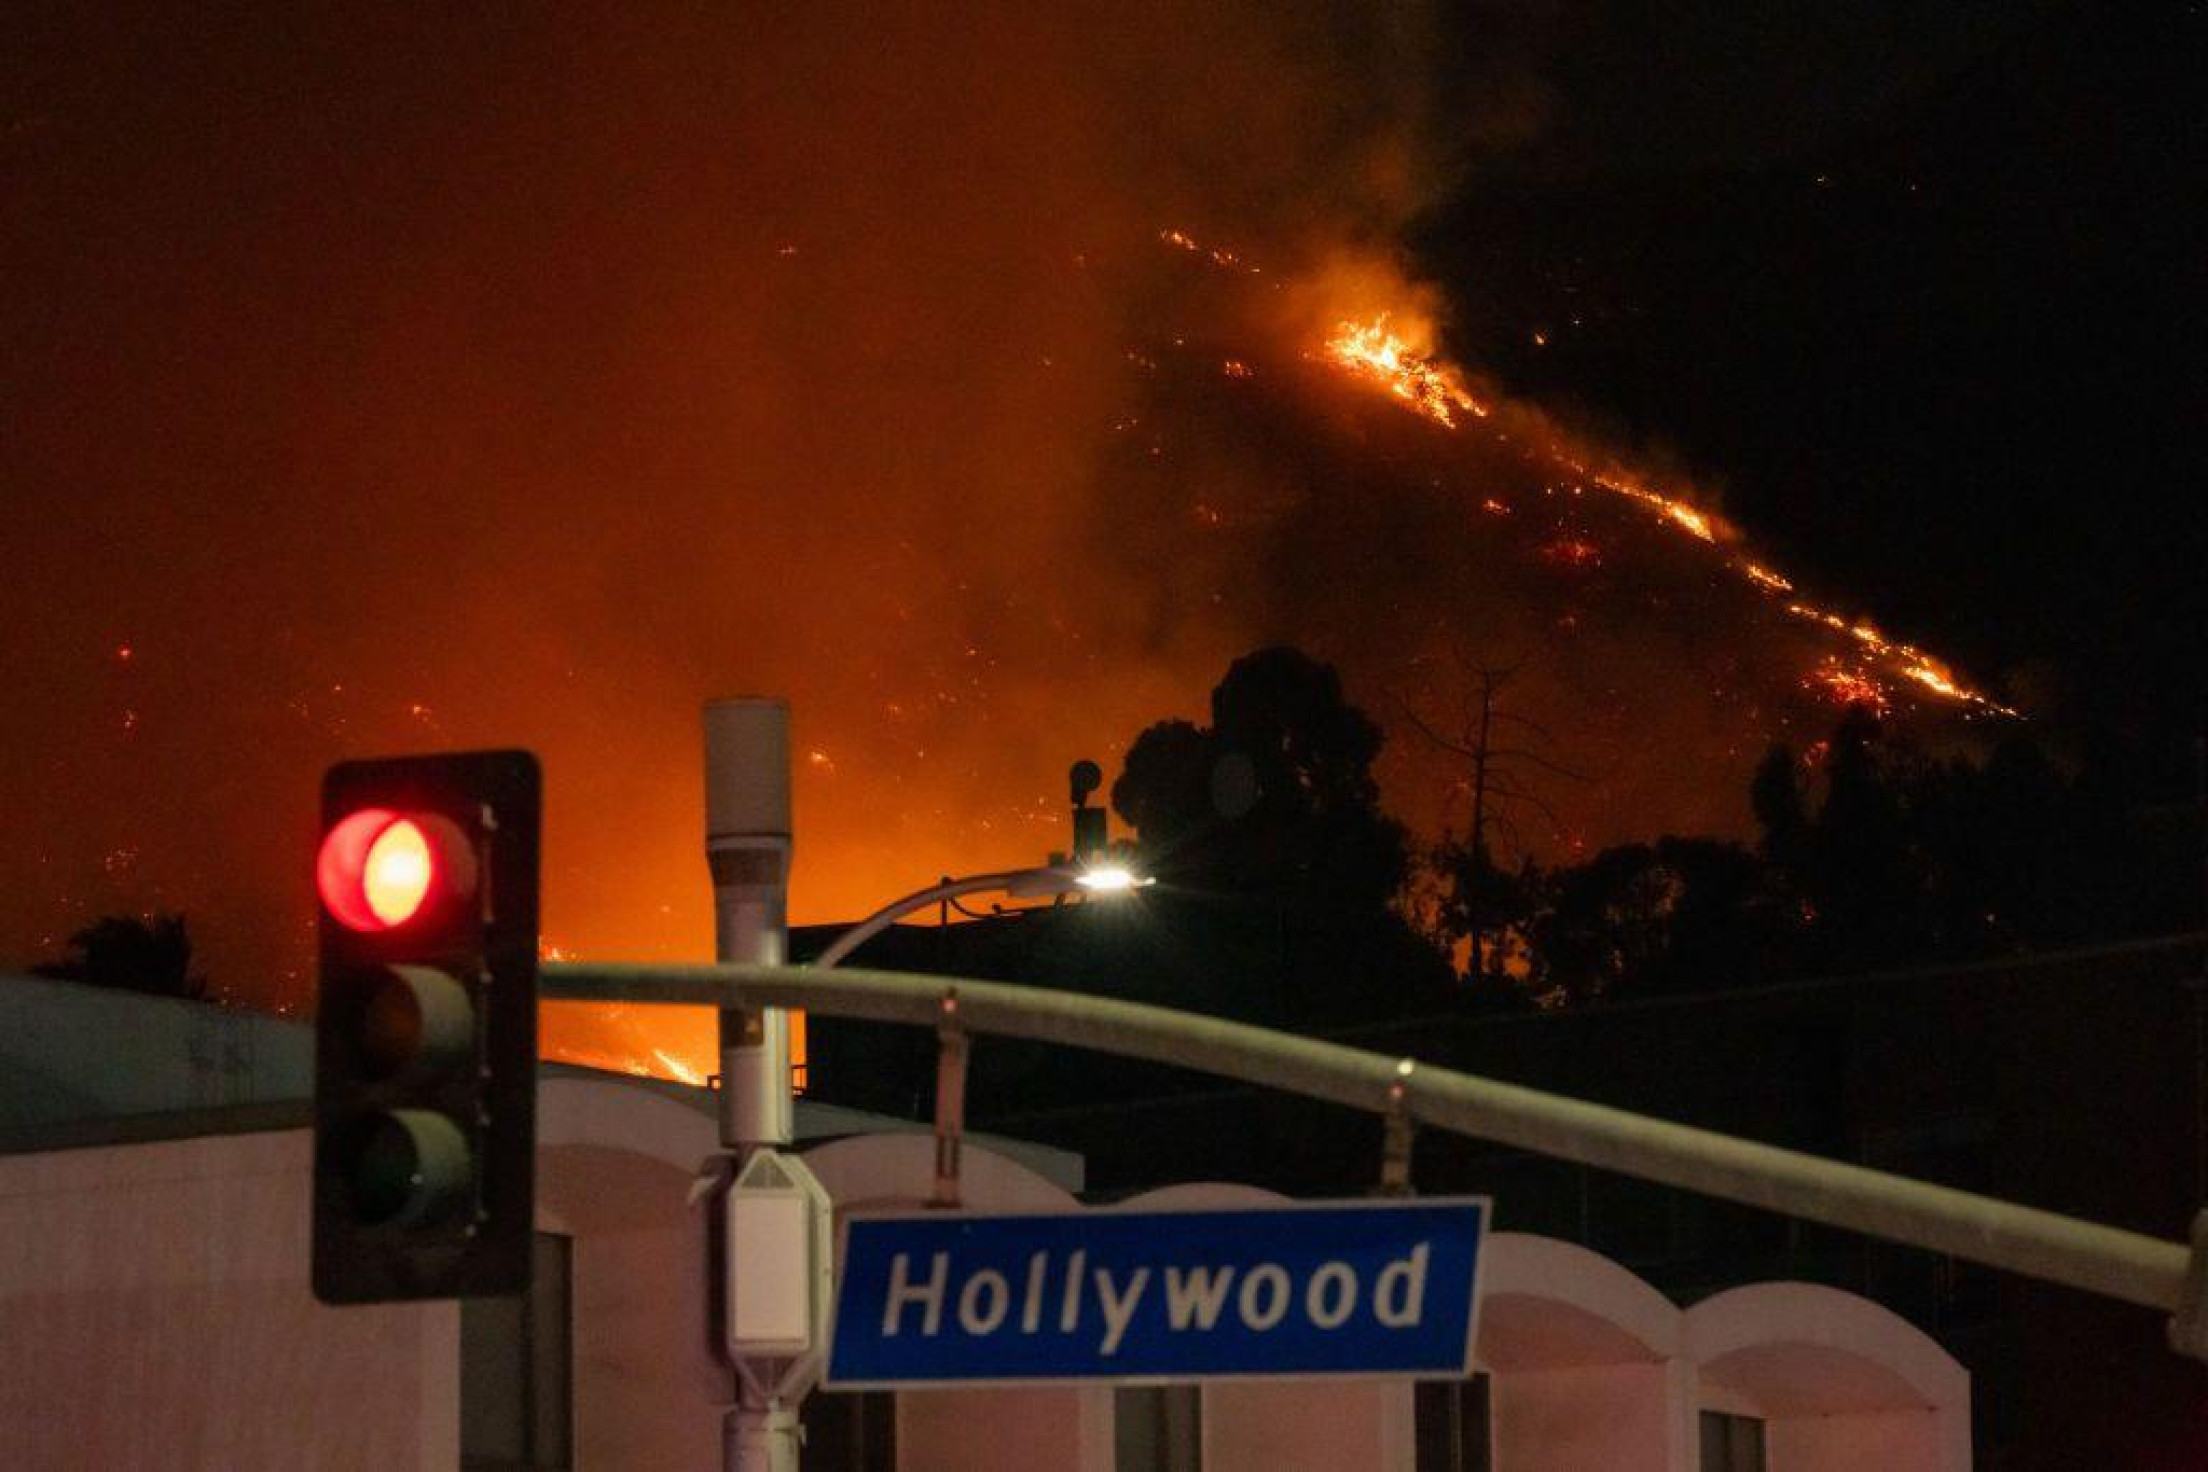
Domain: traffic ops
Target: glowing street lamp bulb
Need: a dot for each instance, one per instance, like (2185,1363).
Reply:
(396,876)
(1108,879)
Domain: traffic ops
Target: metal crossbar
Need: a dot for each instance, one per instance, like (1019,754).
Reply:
(2109,1261)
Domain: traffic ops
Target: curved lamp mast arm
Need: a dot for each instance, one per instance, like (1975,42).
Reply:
(1022,883)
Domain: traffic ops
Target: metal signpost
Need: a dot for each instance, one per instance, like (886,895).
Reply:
(771,1217)
(1382,1287)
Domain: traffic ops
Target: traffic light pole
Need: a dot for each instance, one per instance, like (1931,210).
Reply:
(747,805)
(747,847)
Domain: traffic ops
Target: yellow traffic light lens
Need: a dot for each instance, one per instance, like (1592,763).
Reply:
(390,1028)
(396,876)
(409,1018)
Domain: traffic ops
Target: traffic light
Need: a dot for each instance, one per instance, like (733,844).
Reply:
(426,1028)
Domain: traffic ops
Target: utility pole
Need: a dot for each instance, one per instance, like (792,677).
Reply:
(2199,985)
(747,848)
(1480,753)
(772,1218)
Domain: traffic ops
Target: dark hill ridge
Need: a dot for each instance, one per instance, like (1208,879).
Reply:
(1262,485)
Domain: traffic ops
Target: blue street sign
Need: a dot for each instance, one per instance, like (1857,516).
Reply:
(1382,1287)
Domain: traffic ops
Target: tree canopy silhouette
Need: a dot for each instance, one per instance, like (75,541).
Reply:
(1873,855)
(1273,855)
(1313,829)
(151,954)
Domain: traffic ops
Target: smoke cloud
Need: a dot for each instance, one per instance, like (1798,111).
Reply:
(388,382)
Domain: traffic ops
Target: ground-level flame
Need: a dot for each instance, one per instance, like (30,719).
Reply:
(1374,351)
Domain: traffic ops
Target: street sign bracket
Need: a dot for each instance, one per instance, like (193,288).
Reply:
(953,1047)
(1398,1131)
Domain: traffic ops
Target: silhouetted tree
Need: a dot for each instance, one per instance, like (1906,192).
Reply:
(1863,866)
(1486,908)
(1313,832)
(1164,787)
(1273,855)
(1907,860)
(151,954)
(1682,914)
(1482,905)
(1775,797)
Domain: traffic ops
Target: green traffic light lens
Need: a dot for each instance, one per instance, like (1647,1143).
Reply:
(409,1168)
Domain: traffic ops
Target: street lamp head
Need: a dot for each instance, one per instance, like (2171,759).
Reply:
(1110,879)
(1084,778)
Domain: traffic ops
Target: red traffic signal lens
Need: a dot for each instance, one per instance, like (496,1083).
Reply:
(380,869)
(395,877)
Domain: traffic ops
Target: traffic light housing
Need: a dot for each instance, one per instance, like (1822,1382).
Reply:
(426,1027)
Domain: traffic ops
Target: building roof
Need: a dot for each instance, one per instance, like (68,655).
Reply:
(84,1065)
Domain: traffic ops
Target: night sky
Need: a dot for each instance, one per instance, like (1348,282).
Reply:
(1919,285)
(378,383)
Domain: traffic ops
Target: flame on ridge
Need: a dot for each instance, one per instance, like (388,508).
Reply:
(1696,524)
(1373,351)
(1423,382)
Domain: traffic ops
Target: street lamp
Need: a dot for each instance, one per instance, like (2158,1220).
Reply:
(1022,884)
(1051,882)
(1110,879)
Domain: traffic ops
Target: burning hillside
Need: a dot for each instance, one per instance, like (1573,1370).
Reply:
(1345,488)
(1349,490)
(1433,390)
(837,361)
(1298,461)
(1865,667)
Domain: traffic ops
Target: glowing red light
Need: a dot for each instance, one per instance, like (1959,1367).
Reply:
(379,869)
(397,876)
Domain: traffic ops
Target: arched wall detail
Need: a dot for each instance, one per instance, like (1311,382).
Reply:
(1562,1328)
(1759,1340)
(615,1156)
(1839,1381)
(1583,1362)
(1547,1304)
(1197,1195)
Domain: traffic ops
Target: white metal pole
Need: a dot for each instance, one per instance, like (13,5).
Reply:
(747,847)
(765,1441)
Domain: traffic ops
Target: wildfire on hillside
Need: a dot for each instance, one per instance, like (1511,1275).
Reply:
(1390,349)
(1270,456)
(1394,351)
